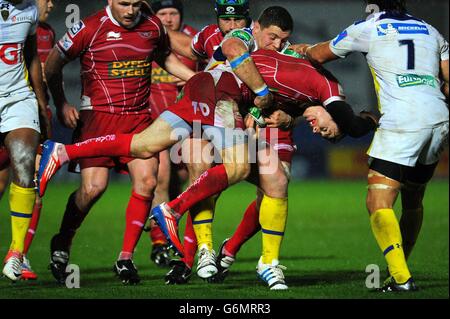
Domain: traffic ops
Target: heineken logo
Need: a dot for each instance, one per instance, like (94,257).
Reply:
(5,15)
(407,80)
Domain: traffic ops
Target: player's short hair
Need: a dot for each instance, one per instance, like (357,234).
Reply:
(398,6)
(276,16)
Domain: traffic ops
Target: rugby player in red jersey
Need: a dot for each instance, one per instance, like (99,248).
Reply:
(116,47)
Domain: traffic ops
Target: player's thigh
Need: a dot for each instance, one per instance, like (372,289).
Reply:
(274,174)
(143,175)
(236,161)
(414,184)
(157,137)
(384,184)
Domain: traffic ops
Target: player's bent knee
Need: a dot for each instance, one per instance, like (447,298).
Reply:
(91,192)
(146,186)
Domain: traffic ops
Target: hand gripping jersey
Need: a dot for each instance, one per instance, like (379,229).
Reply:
(116,62)
(164,89)
(45,40)
(404,55)
(17,22)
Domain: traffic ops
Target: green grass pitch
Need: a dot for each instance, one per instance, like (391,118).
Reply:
(327,246)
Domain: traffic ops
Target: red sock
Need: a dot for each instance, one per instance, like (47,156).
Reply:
(33,226)
(248,227)
(108,145)
(157,236)
(190,243)
(136,215)
(211,182)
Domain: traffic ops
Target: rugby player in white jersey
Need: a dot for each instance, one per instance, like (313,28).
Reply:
(409,62)
(21,97)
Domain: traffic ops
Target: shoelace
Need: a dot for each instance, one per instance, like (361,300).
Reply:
(226,261)
(206,258)
(278,271)
(60,256)
(15,265)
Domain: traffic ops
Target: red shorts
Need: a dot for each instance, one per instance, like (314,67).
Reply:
(162,96)
(282,141)
(94,124)
(201,95)
(4,158)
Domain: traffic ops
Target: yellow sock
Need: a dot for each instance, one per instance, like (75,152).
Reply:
(202,218)
(386,229)
(21,202)
(272,217)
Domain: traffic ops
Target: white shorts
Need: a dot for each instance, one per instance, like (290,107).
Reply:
(409,148)
(19,111)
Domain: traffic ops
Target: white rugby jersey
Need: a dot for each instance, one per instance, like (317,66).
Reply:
(17,22)
(404,55)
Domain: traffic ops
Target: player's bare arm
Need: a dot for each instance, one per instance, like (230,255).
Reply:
(174,66)
(180,43)
(444,75)
(243,66)
(36,78)
(320,53)
(67,113)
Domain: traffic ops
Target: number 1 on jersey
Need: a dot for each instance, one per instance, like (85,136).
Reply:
(411,53)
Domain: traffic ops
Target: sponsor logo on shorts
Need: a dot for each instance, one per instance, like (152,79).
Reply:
(130,69)
(77,27)
(407,80)
(401,28)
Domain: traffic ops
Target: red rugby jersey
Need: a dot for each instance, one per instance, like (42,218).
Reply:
(45,40)
(116,62)
(164,89)
(296,80)
(207,41)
